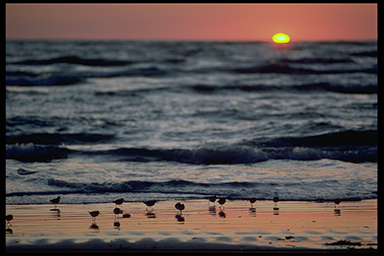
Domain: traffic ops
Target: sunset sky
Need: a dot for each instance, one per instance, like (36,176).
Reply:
(256,22)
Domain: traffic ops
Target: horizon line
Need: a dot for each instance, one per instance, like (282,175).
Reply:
(187,40)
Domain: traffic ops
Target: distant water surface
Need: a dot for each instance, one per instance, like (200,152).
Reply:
(93,121)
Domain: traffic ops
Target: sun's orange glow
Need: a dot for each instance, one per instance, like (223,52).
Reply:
(281,38)
(170,21)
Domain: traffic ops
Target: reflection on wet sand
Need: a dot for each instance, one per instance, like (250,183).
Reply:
(212,210)
(252,211)
(116,223)
(180,218)
(222,214)
(150,214)
(57,211)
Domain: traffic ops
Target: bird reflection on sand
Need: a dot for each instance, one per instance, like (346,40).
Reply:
(252,212)
(212,210)
(222,213)
(94,226)
(180,218)
(150,214)
(117,211)
(57,211)
(116,223)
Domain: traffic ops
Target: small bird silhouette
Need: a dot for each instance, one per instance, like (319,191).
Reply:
(8,218)
(180,206)
(222,201)
(212,199)
(150,203)
(252,201)
(55,201)
(94,214)
(337,207)
(275,200)
(119,201)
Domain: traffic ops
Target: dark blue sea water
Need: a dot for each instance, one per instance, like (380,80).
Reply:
(93,121)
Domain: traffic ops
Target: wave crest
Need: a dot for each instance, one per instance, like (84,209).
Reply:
(33,153)
(349,146)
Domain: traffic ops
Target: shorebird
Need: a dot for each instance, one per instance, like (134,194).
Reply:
(55,201)
(337,207)
(222,201)
(252,201)
(119,201)
(212,199)
(149,203)
(8,218)
(94,214)
(275,200)
(180,207)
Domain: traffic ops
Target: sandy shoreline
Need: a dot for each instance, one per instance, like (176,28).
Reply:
(297,225)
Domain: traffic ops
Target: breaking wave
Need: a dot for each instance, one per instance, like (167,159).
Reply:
(34,153)
(136,190)
(282,68)
(359,89)
(336,146)
(63,78)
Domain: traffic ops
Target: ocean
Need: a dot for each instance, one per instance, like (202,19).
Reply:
(94,121)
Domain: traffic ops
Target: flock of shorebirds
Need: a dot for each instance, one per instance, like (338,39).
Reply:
(179,206)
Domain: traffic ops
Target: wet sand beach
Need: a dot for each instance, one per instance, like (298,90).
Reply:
(296,225)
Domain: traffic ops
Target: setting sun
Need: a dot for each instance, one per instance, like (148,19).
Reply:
(280,38)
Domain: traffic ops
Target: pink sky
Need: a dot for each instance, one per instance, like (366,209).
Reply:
(192,21)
